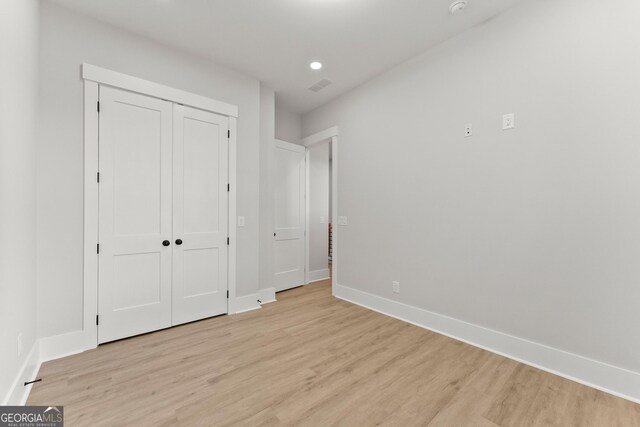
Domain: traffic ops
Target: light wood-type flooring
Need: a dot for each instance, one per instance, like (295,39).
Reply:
(311,359)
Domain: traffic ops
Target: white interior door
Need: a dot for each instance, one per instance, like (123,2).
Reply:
(200,223)
(135,152)
(290,217)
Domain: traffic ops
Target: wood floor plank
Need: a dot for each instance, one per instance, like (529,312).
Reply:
(311,359)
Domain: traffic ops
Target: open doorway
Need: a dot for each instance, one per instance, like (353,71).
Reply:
(322,218)
(319,227)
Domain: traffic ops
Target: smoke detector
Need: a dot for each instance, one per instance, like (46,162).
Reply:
(458,6)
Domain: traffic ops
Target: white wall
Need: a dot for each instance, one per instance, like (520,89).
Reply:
(534,232)
(67,40)
(318,211)
(267,197)
(288,126)
(18,113)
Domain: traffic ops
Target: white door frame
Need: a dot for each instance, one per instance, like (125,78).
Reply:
(328,135)
(94,77)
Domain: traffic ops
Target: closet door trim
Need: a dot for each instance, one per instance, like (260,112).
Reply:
(156,90)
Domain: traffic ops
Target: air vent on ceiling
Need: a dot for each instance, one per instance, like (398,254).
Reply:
(320,85)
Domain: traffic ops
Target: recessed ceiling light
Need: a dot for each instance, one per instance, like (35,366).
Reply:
(458,6)
(315,65)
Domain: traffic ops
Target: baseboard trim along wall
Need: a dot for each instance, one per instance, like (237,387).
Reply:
(254,301)
(610,379)
(267,295)
(318,275)
(19,393)
(246,303)
(63,345)
(44,350)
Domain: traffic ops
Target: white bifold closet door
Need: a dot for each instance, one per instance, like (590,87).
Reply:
(163,214)
(290,219)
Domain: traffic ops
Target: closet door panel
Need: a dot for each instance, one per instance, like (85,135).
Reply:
(200,222)
(290,216)
(135,208)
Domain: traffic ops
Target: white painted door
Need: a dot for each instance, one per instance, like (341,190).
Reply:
(200,223)
(135,152)
(290,217)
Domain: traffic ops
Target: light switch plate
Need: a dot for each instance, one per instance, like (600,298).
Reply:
(240,221)
(508,121)
(321,220)
(468,130)
(342,220)
(395,287)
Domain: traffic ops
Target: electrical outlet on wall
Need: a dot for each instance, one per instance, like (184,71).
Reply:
(395,287)
(19,344)
(508,121)
(321,220)
(240,221)
(342,220)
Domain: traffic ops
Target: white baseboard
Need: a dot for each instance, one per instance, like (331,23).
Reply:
(19,393)
(44,349)
(250,302)
(318,275)
(63,345)
(267,295)
(246,303)
(610,379)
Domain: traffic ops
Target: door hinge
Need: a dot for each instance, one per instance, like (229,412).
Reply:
(97,176)
(227,241)
(227,294)
(98,248)
(97,319)
(98,106)
(228,134)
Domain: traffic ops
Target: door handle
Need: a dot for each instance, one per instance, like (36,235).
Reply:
(178,242)
(166,243)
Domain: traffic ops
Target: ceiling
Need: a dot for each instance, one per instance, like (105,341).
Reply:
(275,40)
